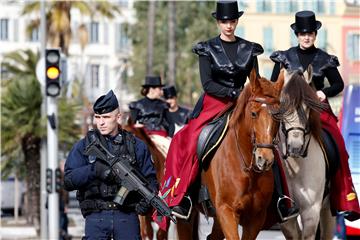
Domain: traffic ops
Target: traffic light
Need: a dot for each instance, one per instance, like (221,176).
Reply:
(52,72)
(58,181)
(49,180)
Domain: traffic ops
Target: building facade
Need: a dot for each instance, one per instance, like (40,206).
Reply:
(100,65)
(268,23)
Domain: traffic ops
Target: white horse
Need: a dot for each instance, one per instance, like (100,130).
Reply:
(304,162)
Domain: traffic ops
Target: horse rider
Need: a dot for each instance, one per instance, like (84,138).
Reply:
(342,193)
(150,113)
(225,62)
(97,184)
(177,115)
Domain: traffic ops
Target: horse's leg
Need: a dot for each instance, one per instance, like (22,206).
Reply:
(229,221)
(216,231)
(253,225)
(161,234)
(146,230)
(327,221)
(188,229)
(291,229)
(310,218)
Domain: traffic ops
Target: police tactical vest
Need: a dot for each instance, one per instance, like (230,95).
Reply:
(99,195)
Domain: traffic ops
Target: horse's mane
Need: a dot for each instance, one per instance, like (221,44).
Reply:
(297,92)
(266,89)
(240,105)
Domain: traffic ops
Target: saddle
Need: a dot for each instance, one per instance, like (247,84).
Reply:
(331,153)
(211,135)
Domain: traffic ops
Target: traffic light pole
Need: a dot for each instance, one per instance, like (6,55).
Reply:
(43,164)
(52,143)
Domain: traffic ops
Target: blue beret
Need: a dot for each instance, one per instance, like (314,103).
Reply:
(106,103)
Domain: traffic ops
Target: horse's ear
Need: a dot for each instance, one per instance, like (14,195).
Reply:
(308,74)
(287,75)
(254,82)
(281,79)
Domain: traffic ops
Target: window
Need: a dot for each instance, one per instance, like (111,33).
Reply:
(319,6)
(121,37)
(263,6)
(94,32)
(286,6)
(332,7)
(4,73)
(322,39)
(240,31)
(352,46)
(282,6)
(123,3)
(34,37)
(268,39)
(293,6)
(4,29)
(94,75)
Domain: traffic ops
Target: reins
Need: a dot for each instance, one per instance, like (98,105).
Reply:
(247,167)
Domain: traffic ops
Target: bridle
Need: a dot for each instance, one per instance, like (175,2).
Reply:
(306,131)
(264,101)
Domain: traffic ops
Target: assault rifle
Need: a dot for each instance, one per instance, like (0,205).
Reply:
(131,179)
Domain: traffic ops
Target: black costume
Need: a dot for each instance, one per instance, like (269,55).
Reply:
(324,65)
(151,113)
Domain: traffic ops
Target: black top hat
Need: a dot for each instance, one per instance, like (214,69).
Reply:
(153,81)
(305,22)
(169,92)
(227,10)
(106,103)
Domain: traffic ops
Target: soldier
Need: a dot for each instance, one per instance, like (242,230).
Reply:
(178,116)
(97,184)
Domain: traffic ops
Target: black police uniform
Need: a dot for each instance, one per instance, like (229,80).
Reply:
(105,219)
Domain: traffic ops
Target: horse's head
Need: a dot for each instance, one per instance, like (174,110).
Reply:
(299,109)
(255,107)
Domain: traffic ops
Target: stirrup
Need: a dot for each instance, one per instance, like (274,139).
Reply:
(293,203)
(183,216)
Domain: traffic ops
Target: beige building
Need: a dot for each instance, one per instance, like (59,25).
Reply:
(268,23)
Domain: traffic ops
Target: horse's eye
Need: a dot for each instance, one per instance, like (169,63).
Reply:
(253,114)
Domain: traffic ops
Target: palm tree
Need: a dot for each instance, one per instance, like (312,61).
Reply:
(22,126)
(59,18)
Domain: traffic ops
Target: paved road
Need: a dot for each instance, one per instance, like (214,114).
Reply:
(12,232)
(205,228)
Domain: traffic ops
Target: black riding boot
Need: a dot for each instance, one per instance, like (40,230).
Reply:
(285,212)
(183,210)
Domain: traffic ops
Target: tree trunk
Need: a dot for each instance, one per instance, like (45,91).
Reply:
(150,41)
(172,43)
(31,150)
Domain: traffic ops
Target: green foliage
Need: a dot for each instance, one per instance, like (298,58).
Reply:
(21,112)
(194,23)
(20,109)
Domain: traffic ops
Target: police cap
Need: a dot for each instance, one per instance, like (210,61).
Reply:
(106,103)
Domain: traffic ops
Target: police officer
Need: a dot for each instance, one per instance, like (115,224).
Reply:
(96,183)
(178,116)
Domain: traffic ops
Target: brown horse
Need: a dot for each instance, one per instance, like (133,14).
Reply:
(158,158)
(239,176)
